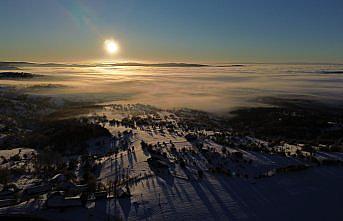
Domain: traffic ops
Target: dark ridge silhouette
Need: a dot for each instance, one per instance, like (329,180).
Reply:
(331,72)
(16,63)
(46,86)
(231,65)
(8,67)
(50,64)
(158,64)
(16,75)
(62,65)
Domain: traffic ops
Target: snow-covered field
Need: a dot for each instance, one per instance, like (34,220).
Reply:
(236,192)
(315,194)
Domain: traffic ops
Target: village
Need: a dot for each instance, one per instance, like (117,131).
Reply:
(146,148)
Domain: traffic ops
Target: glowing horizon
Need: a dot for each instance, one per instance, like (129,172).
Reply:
(197,32)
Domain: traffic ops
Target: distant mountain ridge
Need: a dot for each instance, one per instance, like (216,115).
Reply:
(17,64)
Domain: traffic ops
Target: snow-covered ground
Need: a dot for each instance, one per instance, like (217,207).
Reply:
(314,194)
(180,194)
(20,151)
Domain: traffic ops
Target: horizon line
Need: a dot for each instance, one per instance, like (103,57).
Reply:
(160,62)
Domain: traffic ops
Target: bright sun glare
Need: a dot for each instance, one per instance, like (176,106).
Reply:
(111,46)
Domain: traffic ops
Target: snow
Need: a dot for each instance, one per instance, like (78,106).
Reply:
(281,197)
(21,151)
(179,194)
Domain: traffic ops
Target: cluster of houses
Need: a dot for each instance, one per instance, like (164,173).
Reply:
(232,145)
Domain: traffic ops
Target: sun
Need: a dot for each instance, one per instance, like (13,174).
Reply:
(111,46)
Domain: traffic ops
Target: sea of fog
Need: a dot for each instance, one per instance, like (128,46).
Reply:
(209,88)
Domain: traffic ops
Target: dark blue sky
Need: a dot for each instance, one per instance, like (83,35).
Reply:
(173,30)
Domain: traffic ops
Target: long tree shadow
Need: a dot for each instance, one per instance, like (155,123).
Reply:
(228,187)
(206,184)
(202,196)
(184,192)
(170,201)
(178,193)
(134,156)
(125,204)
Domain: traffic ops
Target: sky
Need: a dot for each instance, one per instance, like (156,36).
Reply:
(178,30)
